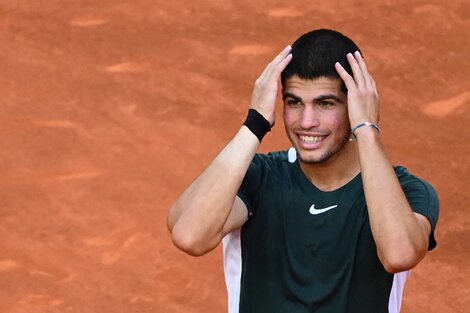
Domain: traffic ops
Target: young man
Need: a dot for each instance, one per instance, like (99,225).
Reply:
(326,226)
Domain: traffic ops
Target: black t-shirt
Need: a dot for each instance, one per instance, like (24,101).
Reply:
(306,250)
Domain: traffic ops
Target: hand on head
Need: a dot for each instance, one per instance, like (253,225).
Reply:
(363,99)
(265,90)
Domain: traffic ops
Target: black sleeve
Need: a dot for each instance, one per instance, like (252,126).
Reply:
(249,189)
(422,197)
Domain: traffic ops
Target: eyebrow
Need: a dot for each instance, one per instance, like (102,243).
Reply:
(328,96)
(291,95)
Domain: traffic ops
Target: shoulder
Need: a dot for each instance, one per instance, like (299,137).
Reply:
(409,181)
(272,165)
(421,196)
(272,159)
(274,156)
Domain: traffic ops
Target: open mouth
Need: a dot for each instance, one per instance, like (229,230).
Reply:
(311,139)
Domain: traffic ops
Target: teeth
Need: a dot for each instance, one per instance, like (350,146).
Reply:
(311,139)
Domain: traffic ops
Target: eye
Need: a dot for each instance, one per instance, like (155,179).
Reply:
(326,104)
(293,102)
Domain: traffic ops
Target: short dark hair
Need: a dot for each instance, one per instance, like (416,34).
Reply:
(314,55)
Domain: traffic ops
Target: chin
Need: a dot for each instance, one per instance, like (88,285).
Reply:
(318,158)
(322,155)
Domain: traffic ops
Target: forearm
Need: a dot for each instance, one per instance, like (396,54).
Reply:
(199,214)
(400,235)
(197,219)
(400,238)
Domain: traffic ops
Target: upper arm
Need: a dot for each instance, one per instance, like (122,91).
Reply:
(421,238)
(424,201)
(237,217)
(425,226)
(404,256)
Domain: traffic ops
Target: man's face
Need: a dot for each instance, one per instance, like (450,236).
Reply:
(316,118)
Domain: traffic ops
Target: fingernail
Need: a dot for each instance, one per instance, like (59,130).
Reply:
(357,53)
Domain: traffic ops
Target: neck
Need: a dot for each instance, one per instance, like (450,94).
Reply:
(335,172)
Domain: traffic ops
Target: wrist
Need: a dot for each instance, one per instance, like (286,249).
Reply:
(364,127)
(257,124)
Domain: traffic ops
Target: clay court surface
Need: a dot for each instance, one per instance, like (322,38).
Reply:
(109,109)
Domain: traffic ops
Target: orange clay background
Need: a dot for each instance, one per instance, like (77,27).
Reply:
(110,108)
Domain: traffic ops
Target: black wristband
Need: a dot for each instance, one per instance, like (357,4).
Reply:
(257,124)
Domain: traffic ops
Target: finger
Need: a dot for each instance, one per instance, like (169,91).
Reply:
(282,65)
(373,84)
(362,65)
(284,53)
(357,72)
(279,61)
(348,80)
(275,74)
(279,58)
(269,68)
(274,69)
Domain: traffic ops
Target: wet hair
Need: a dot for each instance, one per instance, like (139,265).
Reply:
(314,55)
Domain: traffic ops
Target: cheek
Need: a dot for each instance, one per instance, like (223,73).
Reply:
(340,122)
(289,117)
(337,122)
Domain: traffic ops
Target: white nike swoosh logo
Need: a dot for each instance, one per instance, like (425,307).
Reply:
(314,211)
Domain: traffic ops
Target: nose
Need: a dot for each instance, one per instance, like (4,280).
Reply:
(309,117)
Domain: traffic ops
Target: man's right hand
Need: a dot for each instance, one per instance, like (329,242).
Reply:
(209,208)
(264,94)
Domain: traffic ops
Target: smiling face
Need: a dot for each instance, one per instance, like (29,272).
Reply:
(316,118)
